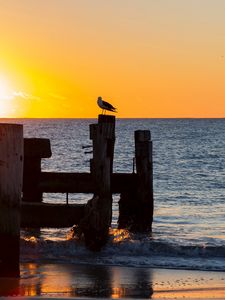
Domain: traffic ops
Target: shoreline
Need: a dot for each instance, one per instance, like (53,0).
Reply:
(90,281)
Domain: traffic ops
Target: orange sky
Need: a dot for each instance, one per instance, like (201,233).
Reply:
(149,58)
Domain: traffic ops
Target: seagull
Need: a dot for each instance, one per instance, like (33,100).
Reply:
(105,105)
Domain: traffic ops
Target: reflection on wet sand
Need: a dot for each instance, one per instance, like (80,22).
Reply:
(58,280)
(82,281)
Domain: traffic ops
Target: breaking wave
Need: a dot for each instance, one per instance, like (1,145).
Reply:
(126,249)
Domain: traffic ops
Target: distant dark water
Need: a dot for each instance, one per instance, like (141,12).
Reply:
(189,192)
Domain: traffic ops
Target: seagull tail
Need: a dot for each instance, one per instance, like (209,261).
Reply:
(114,110)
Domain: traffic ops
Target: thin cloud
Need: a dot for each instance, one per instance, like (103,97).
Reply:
(57,96)
(25,95)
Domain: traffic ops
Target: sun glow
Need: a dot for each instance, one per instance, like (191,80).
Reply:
(4,89)
(5,98)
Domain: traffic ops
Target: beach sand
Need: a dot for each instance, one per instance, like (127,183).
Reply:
(60,280)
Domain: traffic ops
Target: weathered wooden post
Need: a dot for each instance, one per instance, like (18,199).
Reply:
(98,214)
(34,150)
(143,156)
(11,171)
(136,206)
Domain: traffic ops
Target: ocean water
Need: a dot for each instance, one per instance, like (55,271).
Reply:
(189,194)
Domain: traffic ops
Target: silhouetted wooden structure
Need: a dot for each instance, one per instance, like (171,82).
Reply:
(11,171)
(136,189)
(92,219)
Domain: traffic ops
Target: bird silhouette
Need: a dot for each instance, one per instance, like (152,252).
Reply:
(105,105)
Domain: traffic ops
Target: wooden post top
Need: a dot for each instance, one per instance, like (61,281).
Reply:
(106,119)
(142,135)
(11,125)
(107,125)
(35,147)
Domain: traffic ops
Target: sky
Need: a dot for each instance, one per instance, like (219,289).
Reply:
(149,58)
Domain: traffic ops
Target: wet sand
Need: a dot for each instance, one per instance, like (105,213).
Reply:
(78,281)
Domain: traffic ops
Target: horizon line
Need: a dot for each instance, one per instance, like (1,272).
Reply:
(70,118)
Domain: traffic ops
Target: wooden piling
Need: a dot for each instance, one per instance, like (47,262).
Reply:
(34,150)
(136,206)
(143,156)
(11,169)
(98,214)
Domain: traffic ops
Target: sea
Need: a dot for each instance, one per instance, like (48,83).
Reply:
(189,194)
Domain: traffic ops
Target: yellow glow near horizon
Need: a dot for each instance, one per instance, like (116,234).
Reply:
(149,59)
(5,97)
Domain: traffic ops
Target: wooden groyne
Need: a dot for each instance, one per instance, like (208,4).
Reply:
(93,219)
(135,189)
